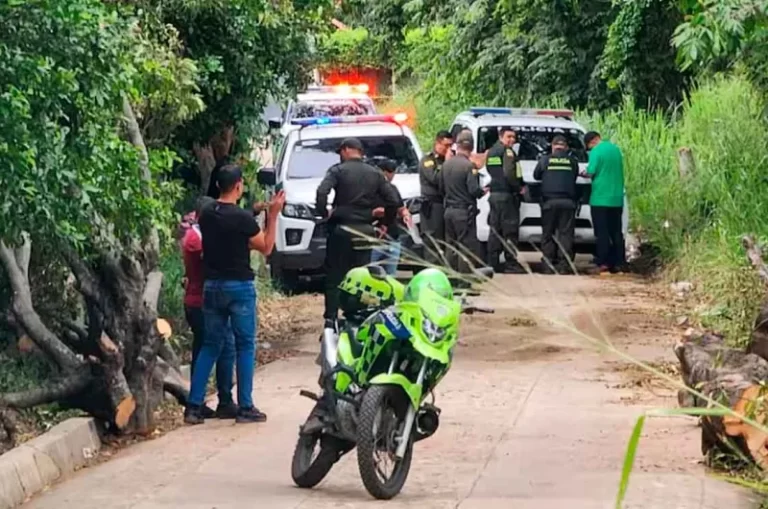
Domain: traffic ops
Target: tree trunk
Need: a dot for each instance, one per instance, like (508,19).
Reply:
(732,378)
(109,366)
(212,152)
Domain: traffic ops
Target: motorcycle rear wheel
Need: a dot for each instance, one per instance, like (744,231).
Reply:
(308,469)
(381,417)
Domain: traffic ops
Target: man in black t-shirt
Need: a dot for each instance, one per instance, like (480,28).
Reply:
(229,295)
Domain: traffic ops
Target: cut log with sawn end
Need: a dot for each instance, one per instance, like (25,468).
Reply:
(734,379)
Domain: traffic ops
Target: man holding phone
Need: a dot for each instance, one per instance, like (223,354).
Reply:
(229,295)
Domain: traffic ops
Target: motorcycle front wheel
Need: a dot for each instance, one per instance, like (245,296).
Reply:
(381,420)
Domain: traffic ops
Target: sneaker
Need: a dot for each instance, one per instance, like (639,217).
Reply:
(193,415)
(252,414)
(226,411)
(208,412)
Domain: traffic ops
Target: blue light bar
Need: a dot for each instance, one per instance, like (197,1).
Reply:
(521,112)
(397,118)
(483,110)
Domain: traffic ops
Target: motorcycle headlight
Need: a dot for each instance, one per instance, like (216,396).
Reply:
(298,211)
(432,331)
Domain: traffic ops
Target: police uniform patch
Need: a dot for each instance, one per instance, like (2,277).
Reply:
(429,163)
(510,153)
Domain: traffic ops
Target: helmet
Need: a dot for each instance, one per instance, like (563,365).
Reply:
(431,278)
(365,287)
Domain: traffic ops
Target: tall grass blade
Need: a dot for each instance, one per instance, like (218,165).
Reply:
(629,461)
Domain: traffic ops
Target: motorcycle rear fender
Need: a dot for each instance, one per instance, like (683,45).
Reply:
(412,390)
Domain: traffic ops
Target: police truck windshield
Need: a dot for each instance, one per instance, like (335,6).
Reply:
(332,107)
(312,158)
(534,141)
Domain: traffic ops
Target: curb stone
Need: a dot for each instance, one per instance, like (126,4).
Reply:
(31,467)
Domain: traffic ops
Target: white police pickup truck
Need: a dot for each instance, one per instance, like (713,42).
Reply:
(325,101)
(535,129)
(304,158)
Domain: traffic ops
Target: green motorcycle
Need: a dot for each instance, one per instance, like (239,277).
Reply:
(378,366)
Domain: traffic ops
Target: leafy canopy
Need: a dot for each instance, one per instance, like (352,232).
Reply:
(66,170)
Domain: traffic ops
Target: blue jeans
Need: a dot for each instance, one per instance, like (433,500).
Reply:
(225,365)
(389,256)
(227,302)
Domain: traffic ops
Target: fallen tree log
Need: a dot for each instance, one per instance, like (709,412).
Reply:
(734,379)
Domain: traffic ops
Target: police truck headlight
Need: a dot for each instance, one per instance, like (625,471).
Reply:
(298,211)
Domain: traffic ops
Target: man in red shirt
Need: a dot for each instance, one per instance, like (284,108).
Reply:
(192,250)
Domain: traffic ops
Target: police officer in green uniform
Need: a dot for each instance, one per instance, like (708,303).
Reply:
(431,213)
(558,173)
(504,201)
(460,184)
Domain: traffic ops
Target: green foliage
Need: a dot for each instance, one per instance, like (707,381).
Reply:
(497,52)
(349,48)
(638,59)
(245,51)
(716,33)
(66,169)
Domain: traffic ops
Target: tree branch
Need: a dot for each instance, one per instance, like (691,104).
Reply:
(135,137)
(87,283)
(57,390)
(152,289)
(25,312)
(77,328)
(174,383)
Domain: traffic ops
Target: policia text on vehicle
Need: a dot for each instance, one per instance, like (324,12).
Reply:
(558,173)
(504,200)
(360,188)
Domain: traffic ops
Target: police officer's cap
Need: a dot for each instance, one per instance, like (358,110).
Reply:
(465,140)
(352,143)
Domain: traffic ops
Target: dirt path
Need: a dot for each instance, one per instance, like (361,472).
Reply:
(533,417)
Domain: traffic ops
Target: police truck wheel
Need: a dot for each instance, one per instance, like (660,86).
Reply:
(285,280)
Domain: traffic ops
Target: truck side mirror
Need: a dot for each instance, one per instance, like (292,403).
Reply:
(266,177)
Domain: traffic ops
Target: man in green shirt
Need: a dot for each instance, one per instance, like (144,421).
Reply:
(606,169)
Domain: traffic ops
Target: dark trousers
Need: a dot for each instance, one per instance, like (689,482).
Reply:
(433,231)
(225,364)
(344,251)
(461,238)
(558,222)
(504,222)
(609,237)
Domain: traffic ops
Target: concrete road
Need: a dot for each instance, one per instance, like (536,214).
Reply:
(533,417)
